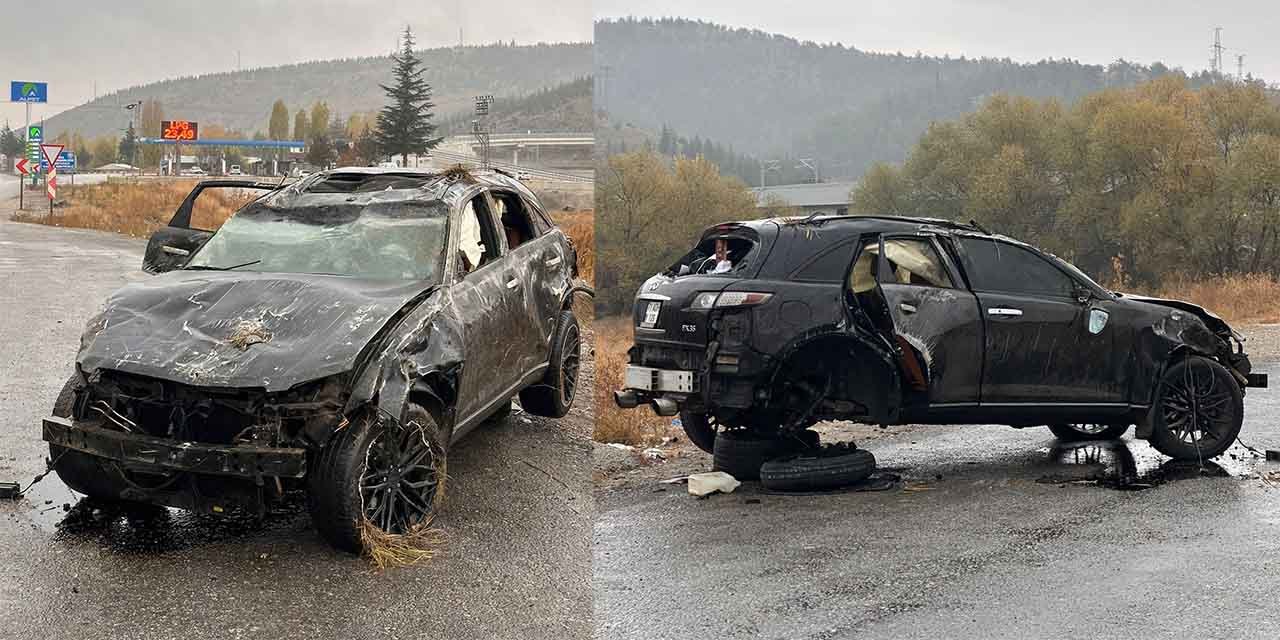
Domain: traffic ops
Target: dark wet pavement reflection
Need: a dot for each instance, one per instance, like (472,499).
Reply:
(143,529)
(1113,464)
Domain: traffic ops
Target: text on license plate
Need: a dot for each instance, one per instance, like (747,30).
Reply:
(651,314)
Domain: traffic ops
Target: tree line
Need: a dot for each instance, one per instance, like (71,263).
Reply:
(1133,185)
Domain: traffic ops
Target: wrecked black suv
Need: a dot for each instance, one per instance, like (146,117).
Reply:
(336,334)
(769,326)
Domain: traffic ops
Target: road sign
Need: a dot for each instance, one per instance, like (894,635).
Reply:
(50,152)
(24,167)
(53,187)
(35,133)
(20,91)
(66,162)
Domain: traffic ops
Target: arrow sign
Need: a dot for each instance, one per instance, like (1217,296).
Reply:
(51,152)
(22,167)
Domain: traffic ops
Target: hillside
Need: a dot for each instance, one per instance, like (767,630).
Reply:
(564,107)
(771,95)
(242,100)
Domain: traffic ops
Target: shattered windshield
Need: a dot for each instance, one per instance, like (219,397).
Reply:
(392,239)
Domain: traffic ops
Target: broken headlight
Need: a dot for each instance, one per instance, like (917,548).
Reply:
(708,300)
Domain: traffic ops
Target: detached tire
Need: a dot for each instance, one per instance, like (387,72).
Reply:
(741,454)
(1079,432)
(387,473)
(1198,410)
(817,472)
(553,396)
(83,473)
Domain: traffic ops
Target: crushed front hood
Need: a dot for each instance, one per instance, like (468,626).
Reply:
(240,329)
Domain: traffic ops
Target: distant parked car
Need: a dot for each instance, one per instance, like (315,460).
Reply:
(193,171)
(235,170)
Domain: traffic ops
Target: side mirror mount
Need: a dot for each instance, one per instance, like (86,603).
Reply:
(172,247)
(1083,294)
(684,270)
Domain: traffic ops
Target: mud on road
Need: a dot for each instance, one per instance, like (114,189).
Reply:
(516,563)
(992,533)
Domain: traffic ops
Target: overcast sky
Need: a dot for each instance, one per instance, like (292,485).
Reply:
(125,43)
(1176,32)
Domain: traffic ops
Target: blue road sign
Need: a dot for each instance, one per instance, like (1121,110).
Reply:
(20,91)
(66,162)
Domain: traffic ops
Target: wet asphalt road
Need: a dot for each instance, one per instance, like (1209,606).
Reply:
(516,565)
(998,535)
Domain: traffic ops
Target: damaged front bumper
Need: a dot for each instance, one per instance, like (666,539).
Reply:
(244,461)
(662,389)
(202,477)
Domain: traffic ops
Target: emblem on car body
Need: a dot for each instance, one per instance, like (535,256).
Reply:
(689,328)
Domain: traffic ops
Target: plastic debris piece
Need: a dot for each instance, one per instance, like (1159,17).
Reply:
(705,484)
(653,453)
(9,490)
(1273,454)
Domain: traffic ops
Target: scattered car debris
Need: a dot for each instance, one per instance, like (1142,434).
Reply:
(10,490)
(653,454)
(705,484)
(1273,455)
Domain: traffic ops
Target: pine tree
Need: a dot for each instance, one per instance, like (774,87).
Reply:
(128,145)
(404,125)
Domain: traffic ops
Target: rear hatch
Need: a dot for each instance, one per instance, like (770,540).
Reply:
(672,309)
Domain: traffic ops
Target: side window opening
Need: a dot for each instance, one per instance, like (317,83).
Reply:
(998,266)
(912,261)
(516,224)
(476,242)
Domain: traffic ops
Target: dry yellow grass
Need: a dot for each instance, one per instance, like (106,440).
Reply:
(1243,299)
(639,426)
(580,226)
(136,208)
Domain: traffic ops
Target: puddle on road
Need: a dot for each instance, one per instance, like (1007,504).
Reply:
(1133,465)
(135,528)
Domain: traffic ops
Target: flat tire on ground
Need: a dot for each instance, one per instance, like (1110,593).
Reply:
(818,472)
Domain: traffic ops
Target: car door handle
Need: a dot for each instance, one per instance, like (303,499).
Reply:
(513,283)
(907,307)
(1004,311)
(553,261)
(174,250)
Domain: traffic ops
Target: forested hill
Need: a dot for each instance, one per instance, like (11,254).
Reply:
(242,100)
(564,107)
(768,94)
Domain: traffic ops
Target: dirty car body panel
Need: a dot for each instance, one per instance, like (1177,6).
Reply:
(888,320)
(216,382)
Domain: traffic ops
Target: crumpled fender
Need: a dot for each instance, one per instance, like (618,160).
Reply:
(422,353)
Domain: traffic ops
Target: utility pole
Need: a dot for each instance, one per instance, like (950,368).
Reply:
(480,127)
(771,165)
(1240,67)
(812,165)
(1215,57)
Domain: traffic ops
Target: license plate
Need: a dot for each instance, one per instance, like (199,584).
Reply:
(650,379)
(651,314)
